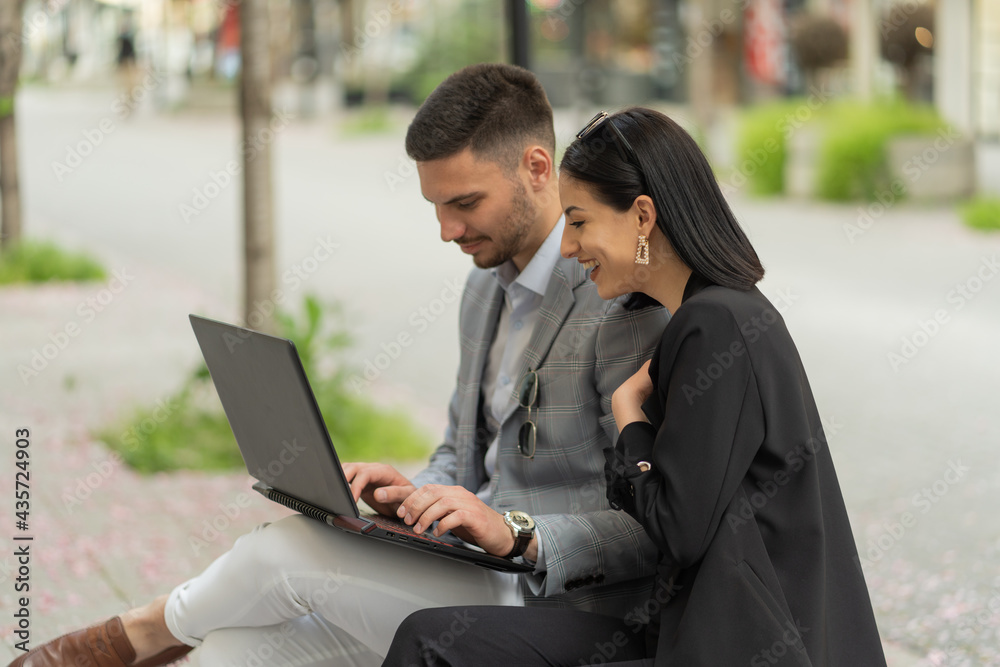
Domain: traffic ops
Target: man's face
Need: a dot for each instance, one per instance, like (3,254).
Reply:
(482,209)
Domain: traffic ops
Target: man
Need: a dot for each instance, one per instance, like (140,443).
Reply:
(541,354)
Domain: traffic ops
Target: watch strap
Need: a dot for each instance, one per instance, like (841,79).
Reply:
(521,541)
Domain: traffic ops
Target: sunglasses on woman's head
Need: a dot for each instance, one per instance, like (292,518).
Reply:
(625,149)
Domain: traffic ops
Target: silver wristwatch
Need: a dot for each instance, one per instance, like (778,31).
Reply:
(522,527)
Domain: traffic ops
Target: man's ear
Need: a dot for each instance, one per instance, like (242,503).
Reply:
(645,214)
(539,166)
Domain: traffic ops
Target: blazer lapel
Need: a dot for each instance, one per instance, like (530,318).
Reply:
(479,330)
(556,306)
(483,330)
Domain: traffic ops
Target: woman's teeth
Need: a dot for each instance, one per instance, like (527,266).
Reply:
(591,264)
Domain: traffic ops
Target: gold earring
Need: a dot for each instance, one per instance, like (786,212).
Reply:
(642,252)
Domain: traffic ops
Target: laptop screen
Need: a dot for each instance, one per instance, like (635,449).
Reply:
(273,414)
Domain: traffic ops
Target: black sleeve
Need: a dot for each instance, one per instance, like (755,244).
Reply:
(713,425)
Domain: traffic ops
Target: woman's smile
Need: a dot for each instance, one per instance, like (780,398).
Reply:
(593,265)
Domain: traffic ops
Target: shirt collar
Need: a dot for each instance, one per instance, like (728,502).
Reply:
(538,272)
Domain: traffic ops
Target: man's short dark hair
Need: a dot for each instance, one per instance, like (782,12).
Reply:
(497,110)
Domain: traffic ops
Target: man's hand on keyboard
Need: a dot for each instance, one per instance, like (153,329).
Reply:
(378,484)
(460,511)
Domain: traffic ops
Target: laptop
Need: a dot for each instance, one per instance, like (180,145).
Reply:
(286,446)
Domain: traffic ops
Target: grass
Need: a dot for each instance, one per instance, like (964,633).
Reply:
(43,261)
(982,213)
(189,430)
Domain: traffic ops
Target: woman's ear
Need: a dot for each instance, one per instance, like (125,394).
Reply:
(645,214)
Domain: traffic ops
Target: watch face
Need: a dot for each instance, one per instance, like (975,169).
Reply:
(522,520)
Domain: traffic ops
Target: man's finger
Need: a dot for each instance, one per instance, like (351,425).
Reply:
(358,484)
(415,503)
(436,511)
(393,494)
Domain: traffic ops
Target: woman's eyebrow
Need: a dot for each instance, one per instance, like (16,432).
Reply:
(570,209)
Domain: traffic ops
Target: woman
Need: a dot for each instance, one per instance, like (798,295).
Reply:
(722,456)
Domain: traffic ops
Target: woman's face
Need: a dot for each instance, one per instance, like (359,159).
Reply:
(601,238)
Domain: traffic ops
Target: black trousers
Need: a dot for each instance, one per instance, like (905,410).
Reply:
(515,637)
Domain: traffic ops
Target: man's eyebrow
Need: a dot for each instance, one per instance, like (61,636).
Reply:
(461,197)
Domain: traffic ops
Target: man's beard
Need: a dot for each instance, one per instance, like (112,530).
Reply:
(514,231)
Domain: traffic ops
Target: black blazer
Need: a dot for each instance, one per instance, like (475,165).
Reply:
(758,564)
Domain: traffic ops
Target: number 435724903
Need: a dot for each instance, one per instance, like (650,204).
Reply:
(22,490)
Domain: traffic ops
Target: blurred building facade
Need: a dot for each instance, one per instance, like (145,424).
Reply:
(705,53)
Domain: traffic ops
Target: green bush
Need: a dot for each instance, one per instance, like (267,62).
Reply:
(852,161)
(852,157)
(982,213)
(190,431)
(43,261)
(761,146)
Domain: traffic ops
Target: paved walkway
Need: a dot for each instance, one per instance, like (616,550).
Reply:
(915,442)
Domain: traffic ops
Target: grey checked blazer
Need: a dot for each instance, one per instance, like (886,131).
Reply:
(583,348)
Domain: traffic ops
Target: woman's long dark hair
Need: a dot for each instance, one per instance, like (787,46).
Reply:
(690,208)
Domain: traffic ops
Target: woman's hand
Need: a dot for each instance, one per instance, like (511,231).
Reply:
(626,402)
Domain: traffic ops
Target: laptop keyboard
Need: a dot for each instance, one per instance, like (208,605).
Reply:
(396,526)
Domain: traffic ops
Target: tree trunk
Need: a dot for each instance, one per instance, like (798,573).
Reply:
(258,135)
(10,65)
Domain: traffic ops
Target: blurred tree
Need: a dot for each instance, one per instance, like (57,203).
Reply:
(11,43)
(818,42)
(907,35)
(258,198)
(470,33)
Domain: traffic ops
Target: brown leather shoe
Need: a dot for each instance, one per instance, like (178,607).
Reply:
(102,645)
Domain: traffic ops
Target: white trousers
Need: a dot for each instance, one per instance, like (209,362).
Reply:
(297,592)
